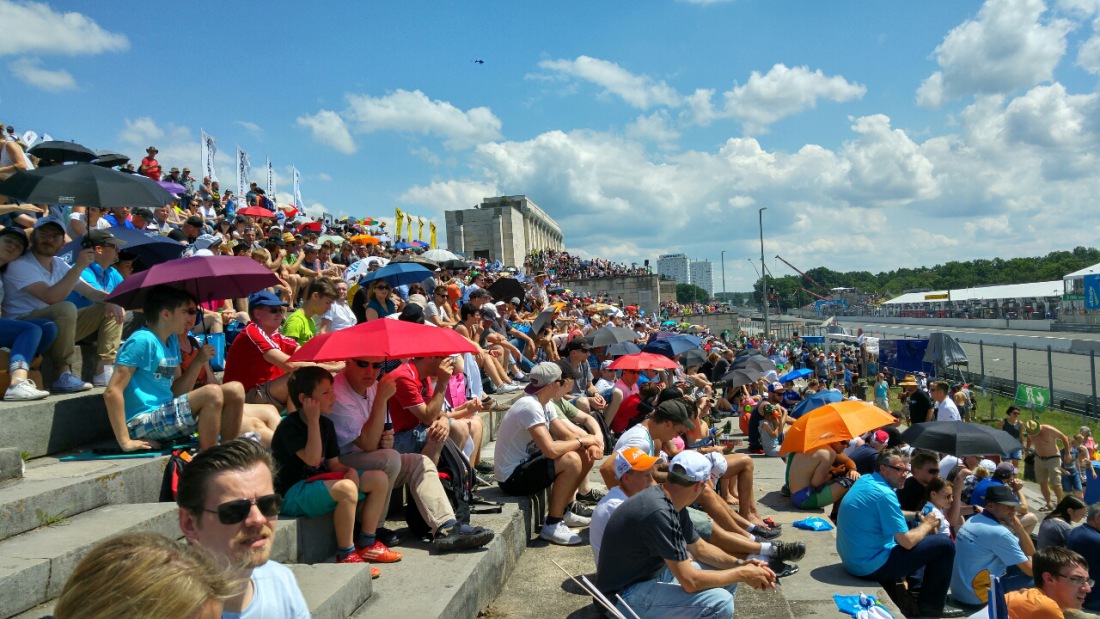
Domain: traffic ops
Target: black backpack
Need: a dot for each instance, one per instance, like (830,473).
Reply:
(169,483)
(456,475)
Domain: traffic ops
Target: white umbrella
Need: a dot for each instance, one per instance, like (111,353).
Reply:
(360,268)
(439,255)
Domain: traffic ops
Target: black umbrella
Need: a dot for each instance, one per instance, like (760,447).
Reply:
(506,288)
(424,262)
(107,159)
(609,335)
(85,185)
(695,356)
(56,150)
(556,290)
(754,362)
(542,320)
(741,377)
(960,438)
(149,247)
(623,348)
(455,265)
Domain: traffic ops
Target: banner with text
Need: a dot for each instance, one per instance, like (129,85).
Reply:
(270,181)
(207,149)
(243,170)
(298,191)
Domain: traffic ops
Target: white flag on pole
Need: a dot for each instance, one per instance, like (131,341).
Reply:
(270,181)
(243,170)
(298,192)
(29,138)
(207,149)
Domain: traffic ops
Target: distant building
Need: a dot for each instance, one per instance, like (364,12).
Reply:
(701,275)
(674,266)
(504,228)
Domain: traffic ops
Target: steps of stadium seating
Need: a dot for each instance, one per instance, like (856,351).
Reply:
(35,565)
(58,423)
(11,463)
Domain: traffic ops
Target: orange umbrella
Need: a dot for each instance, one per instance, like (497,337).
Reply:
(364,239)
(840,421)
(643,361)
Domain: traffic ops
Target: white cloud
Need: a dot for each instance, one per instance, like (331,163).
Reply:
(251,127)
(412,112)
(886,166)
(321,176)
(450,195)
(1088,56)
(1008,46)
(35,28)
(30,70)
(654,128)
(783,92)
(328,128)
(639,91)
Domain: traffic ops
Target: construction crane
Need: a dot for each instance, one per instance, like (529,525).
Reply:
(813,294)
(828,293)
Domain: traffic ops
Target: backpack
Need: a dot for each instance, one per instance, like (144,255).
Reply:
(456,475)
(169,483)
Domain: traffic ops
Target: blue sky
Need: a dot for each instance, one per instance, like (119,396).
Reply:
(878,135)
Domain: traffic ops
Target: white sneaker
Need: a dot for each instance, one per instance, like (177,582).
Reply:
(576,520)
(520,377)
(508,388)
(104,377)
(69,383)
(559,534)
(24,390)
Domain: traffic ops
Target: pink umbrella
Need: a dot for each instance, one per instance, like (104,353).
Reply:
(207,278)
(256,211)
(391,339)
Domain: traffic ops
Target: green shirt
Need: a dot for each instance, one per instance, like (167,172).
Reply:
(299,327)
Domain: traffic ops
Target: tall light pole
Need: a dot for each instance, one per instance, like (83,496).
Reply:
(764,273)
(724,297)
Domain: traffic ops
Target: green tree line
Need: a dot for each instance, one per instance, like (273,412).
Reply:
(950,275)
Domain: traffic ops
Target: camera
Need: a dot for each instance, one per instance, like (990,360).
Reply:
(87,243)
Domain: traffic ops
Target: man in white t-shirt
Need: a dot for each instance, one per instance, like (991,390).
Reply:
(945,406)
(535,450)
(634,470)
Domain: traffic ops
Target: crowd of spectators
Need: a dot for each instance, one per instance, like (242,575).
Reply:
(563,265)
(674,309)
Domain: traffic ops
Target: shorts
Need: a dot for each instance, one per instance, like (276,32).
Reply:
(309,499)
(807,498)
(702,523)
(1015,454)
(1048,469)
(1072,482)
(259,395)
(169,420)
(534,475)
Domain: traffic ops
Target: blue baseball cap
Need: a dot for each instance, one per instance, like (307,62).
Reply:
(264,298)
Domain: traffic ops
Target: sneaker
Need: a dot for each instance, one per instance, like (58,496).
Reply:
(781,569)
(481,481)
(591,497)
(559,534)
(520,377)
(24,390)
(104,377)
(575,520)
(252,436)
(788,551)
(379,553)
(485,467)
(374,572)
(580,509)
(388,537)
(351,558)
(765,534)
(462,536)
(508,388)
(69,383)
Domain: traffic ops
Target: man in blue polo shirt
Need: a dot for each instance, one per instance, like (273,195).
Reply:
(874,541)
(987,546)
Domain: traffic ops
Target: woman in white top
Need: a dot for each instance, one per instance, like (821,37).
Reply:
(13,159)
(339,316)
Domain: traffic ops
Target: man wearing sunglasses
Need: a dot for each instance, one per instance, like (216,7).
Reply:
(228,506)
(359,415)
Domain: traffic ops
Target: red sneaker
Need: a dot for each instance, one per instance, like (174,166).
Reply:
(379,553)
(351,558)
(375,572)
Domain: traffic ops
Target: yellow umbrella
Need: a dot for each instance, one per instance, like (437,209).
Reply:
(840,421)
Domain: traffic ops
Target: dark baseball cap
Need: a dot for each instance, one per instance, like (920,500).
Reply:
(675,411)
(103,237)
(194,220)
(999,493)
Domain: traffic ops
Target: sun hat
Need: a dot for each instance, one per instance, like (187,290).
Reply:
(1031,426)
(632,459)
(542,375)
(910,381)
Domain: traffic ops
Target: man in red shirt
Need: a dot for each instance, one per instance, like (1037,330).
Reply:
(149,165)
(258,358)
(416,409)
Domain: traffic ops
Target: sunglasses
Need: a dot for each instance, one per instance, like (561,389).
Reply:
(369,364)
(275,309)
(382,287)
(234,512)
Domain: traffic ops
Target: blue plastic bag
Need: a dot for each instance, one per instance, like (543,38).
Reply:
(217,340)
(861,606)
(814,523)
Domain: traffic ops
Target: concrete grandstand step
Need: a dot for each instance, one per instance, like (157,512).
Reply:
(333,591)
(454,585)
(50,487)
(35,565)
(11,463)
(58,423)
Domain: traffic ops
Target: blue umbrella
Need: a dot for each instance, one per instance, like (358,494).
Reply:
(672,346)
(795,375)
(816,401)
(622,348)
(398,274)
(149,247)
(403,245)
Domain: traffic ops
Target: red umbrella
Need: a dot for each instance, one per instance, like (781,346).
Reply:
(643,361)
(207,278)
(256,211)
(391,339)
(314,226)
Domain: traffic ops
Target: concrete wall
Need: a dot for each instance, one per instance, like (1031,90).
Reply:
(504,228)
(975,323)
(645,291)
